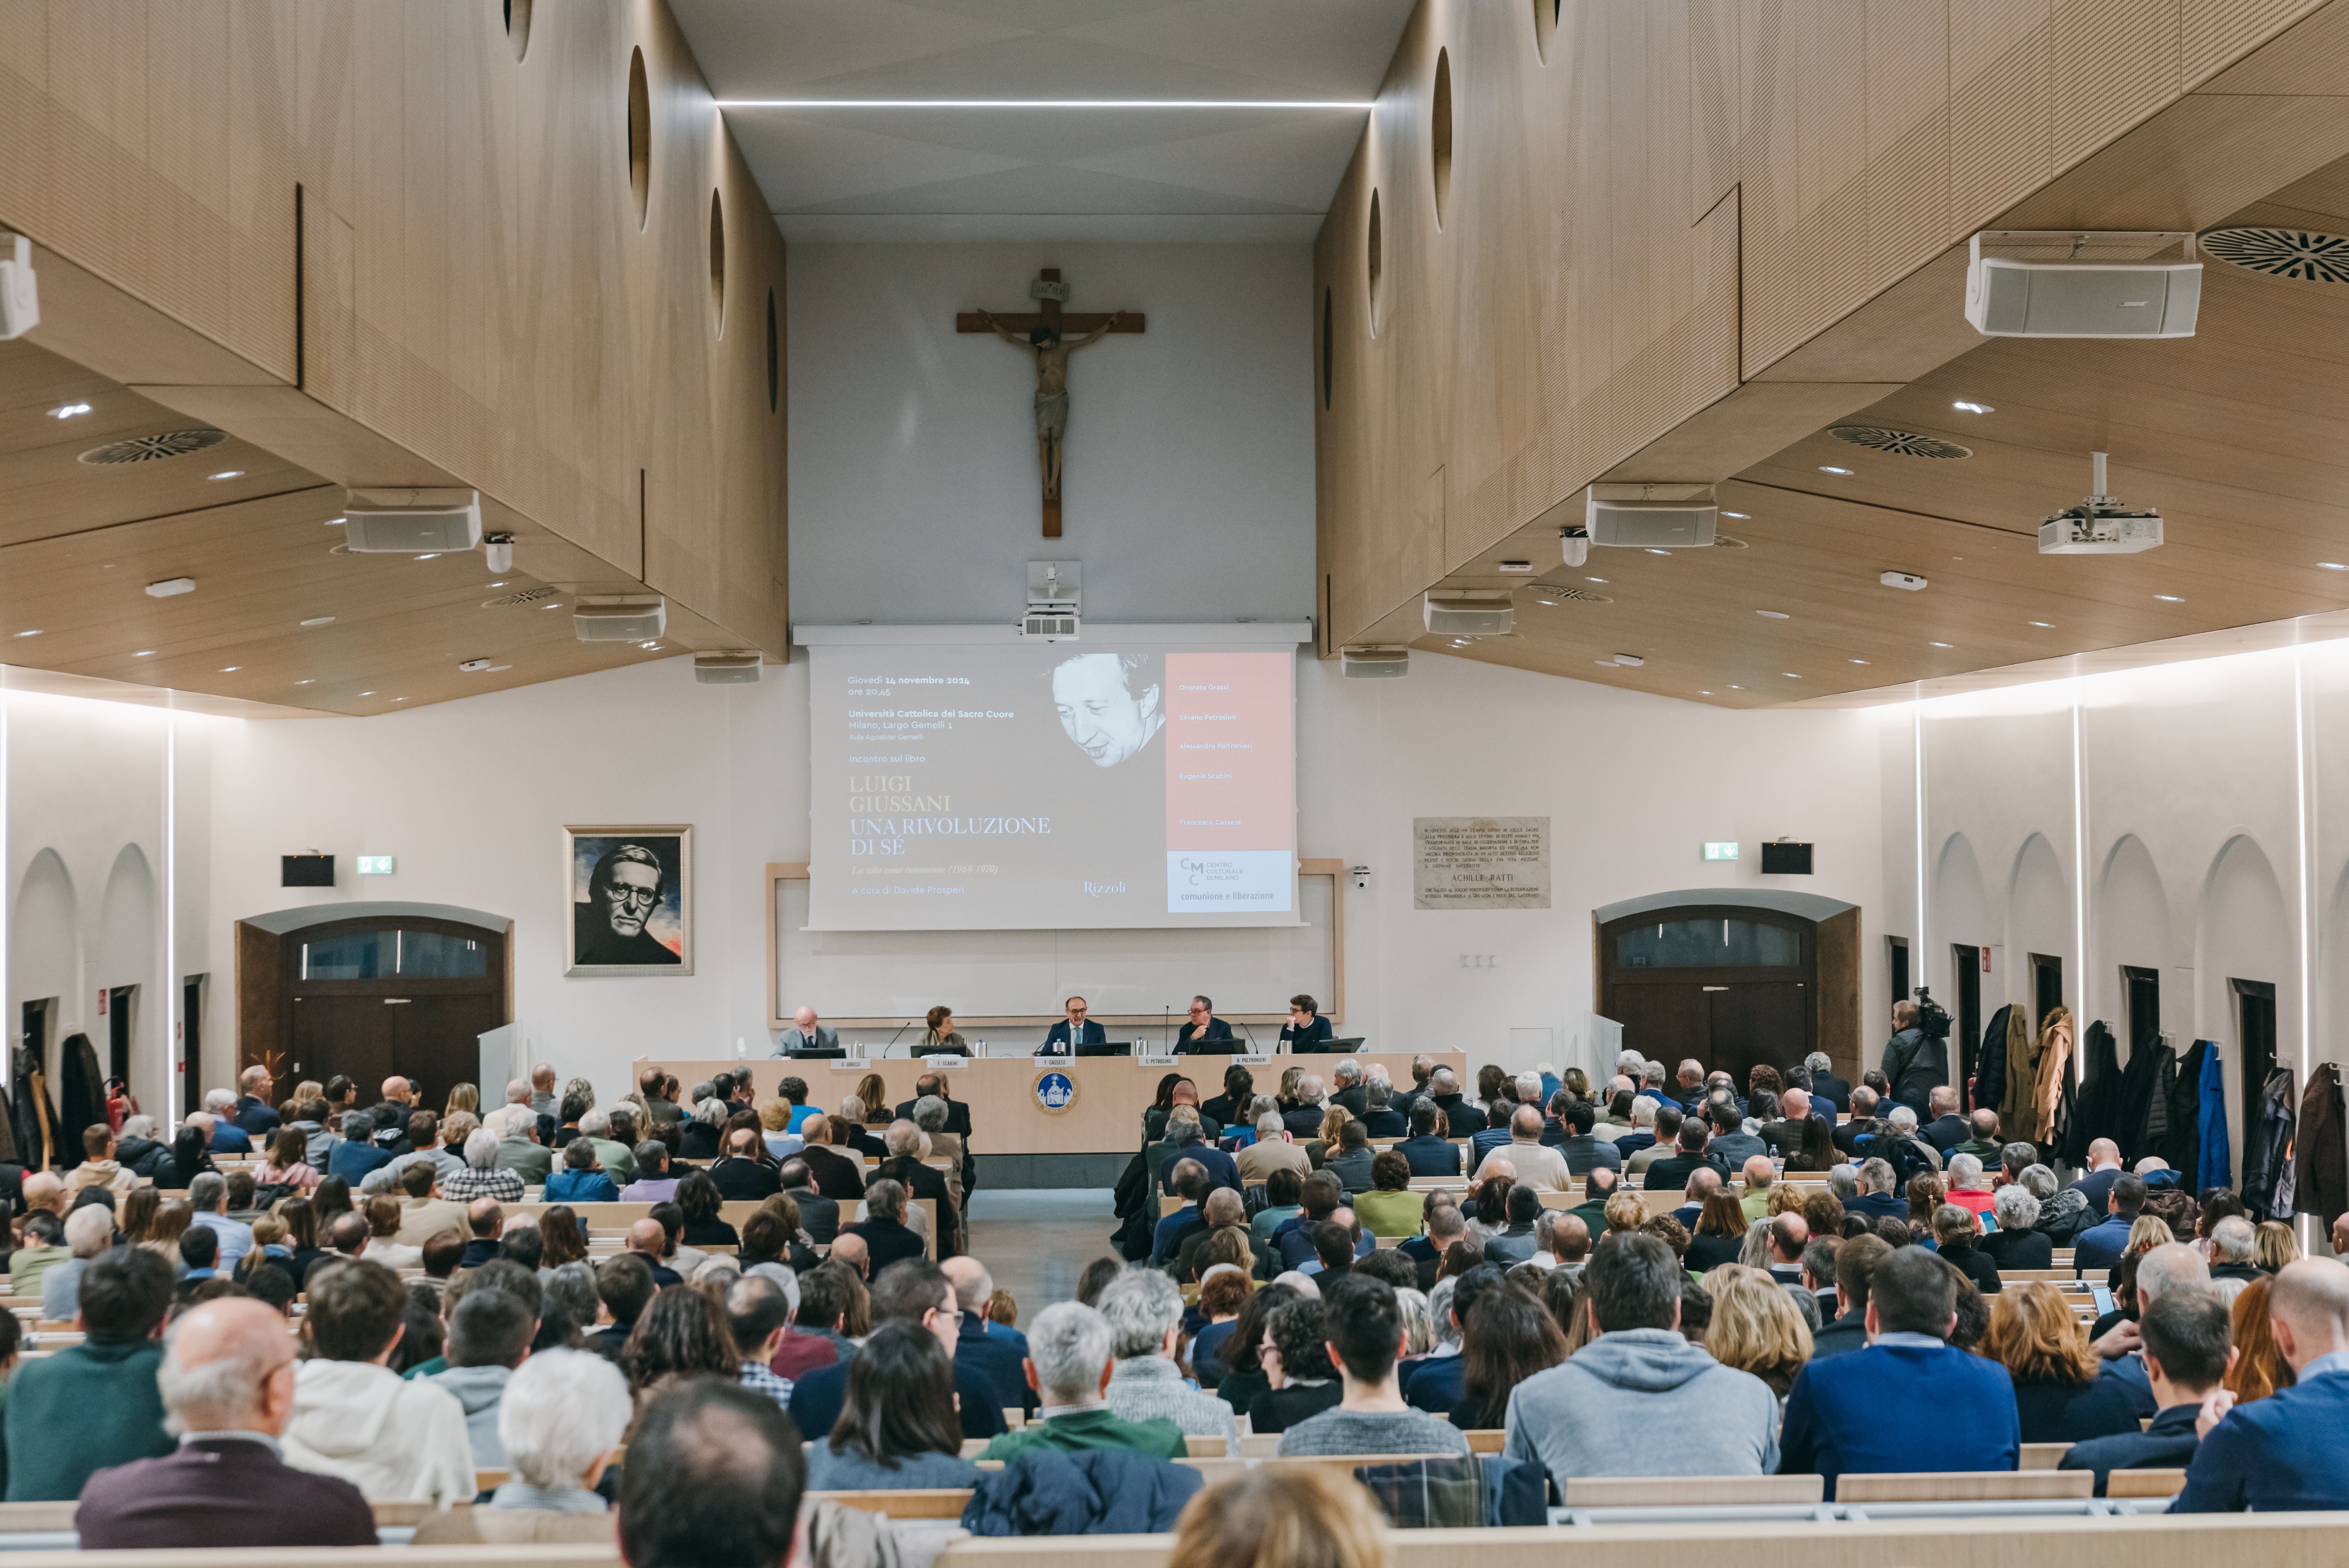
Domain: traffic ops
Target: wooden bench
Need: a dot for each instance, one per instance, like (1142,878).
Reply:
(1676,1491)
(1965,1486)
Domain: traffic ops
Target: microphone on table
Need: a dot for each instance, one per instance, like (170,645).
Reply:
(1166,1027)
(1251,1036)
(895,1037)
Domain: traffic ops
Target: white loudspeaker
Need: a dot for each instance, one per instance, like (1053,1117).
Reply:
(733,668)
(20,293)
(1448,616)
(411,521)
(2007,297)
(1573,545)
(1651,517)
(1375,664)
(619,618)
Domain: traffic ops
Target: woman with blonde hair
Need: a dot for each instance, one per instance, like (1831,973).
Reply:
(1624,1211)
(874,1095)
(1325,1141)
(583,1088)
(2146,1233)
(1756,1327)
(462,1097)
(2260,1368)
(1290,1516)
(170,1222)
(2274,1245)
(2058,1391)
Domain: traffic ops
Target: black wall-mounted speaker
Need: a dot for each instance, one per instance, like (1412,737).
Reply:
(318,870)
(1784,860)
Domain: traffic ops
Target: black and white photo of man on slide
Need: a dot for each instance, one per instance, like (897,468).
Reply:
(1111,704)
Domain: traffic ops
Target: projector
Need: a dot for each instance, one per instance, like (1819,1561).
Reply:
(1463,615)
(20,294)
(1649,517)
(2099,525)
(2072,298)
(619,618)
(411,521)
(1055,600)
(1375,664)
(737,667)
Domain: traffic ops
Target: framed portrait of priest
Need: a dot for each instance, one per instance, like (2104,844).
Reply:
(631,895)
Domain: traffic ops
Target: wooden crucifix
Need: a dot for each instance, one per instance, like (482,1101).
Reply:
(1040,335)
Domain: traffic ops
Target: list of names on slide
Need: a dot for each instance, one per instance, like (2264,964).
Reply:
(1231,809)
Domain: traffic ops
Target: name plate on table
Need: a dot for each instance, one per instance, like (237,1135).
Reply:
(847,1064)
(1154,1058)
(948,1062)
(1254,1059)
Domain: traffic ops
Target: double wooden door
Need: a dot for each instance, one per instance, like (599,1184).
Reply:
(371,998)
(1730,986)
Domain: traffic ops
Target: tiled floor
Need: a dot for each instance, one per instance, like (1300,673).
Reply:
(1037,1240)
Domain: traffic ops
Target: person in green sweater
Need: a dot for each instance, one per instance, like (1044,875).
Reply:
(1069,1367)
(97,1404)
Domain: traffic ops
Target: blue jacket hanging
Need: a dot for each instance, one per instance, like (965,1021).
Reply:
(2217,1166)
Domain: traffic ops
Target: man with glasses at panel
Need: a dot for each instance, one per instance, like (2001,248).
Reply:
(1204,1033)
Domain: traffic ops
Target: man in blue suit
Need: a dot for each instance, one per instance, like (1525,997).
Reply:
(2101,1245)
(2290,1450)
(988,1349)
(1075,1027)
(1836,1418)
(2187,1355)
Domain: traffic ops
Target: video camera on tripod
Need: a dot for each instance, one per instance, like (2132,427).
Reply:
(1931,1017)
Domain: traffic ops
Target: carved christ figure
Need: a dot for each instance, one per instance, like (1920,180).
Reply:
(1052,387)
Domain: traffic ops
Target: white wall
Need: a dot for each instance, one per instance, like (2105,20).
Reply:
(1188,485)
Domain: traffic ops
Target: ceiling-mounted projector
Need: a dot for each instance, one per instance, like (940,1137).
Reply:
(1468,615)
(620,617)
(1055,600)
(1650,516)
(734,667)
(2070,296)
(20,294)
(411,521)
(1375,664)
(2099,525)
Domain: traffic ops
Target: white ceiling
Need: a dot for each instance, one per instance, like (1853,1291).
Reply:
(1227,175)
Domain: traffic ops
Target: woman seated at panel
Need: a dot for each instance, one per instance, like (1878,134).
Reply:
(941,1038)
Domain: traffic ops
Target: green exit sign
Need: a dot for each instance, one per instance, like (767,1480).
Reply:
(381,866)
(1711,852)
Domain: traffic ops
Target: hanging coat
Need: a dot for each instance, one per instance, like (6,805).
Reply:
(2019,1110)
(2320,1155)
(2185,1150)
(1990,1063)
(2144,1102)
(35,1115)
(2051,1089)
(2100,1095)
(81,1097)
(2216,1167)
(2268,1121)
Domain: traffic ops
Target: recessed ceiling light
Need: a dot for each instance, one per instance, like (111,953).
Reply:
(144,654)
(34,633)
(1774,615)
(367,693)
(1790,675)
(231,669)
(399,699)
(2169,598)
(1944,645)
(1736,687)
(319,621)
(1859,661)
(2334,565)
(305,681)
(1704,694)
(1831,468)
(227,474)
(430,555)
(2044,625)
(69,411)
(1962,406)
(1653,551)
(497,584)
(1046,103)
(554,606)
(1594,580)
(336,521)
(649,645)
(1742,518)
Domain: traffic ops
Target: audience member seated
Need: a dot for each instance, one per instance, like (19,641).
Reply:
(1507,1338)
(2017,1244)
(2160,1269)
(1441,1382)
(1429,1153)
(1364,1333)
(2059,1397)
(2234,1247)
(1187,1179)
(745,1174)
(489,1334)
(1144,1311)
(1513,1241)
(1581,1150)
(1672,1174)
(996,1353)
(1720,1232)
(1838,1416)
(1638,1398)
(1876,1198)
(1069,1366)
(814,1340)
(394,1438)
(560,1424)
(897,1427)
(738,1461)
(226,1386)
(89,1231)
(2101,1245)
(836,1175)
(2188,1350)
(483,1176)
(581,1180)
(1956,1236)
(2290,1450)
(1390,1208)
(911,1292)
(887,1239)
(1273,1151)
(1352,1162)
(95,1403)
(1301,1379)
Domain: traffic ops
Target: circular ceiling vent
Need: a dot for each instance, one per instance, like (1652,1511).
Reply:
(1899,443)
(527,596)
(2283,253)
(150,449)
(1547,593)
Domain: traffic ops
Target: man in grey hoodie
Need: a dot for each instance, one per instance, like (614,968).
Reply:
(1638,1399)
(488,1337)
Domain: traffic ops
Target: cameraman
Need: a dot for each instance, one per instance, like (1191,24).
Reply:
(1917,1056)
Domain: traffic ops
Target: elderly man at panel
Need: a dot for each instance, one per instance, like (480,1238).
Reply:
(807,1034)
(2290,1450)
(227,1388)
(1144,1310)
(1075,1032)
(1202,1031)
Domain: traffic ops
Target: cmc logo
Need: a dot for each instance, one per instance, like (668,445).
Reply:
(1102,890)
(1055,1092)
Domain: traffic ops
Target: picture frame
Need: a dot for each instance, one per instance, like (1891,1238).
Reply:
(628,893)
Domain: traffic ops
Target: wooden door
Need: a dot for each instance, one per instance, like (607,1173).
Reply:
(404,994)
(1756,1022)
(342,1033)
(1731,987)
(435,1040)
(1665,1022)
